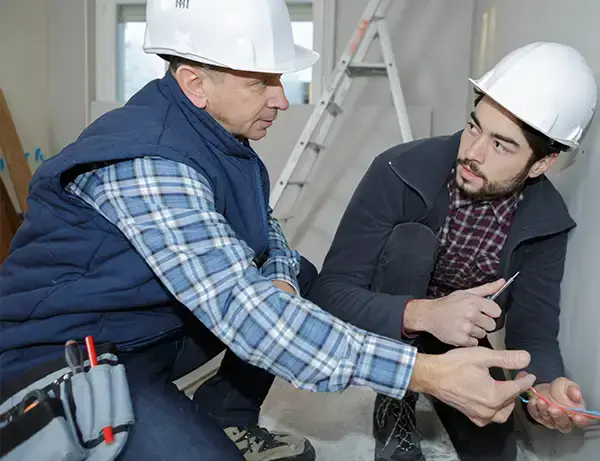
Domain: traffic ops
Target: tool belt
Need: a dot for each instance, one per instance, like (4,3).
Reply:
(58,413)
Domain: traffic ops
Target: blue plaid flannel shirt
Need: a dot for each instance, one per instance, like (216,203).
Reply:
(167,211)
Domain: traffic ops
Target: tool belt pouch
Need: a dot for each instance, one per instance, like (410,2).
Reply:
(61,417)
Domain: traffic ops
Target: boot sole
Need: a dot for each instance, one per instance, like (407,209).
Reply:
(307,455)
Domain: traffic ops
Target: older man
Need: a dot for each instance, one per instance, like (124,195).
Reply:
(437,216)
(152,232)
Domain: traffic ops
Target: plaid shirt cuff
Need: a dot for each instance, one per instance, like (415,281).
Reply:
(385,366)
(282,268)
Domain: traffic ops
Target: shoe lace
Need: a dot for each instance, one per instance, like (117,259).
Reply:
(259,434)
(405,430)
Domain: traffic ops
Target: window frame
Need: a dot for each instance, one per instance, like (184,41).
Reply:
(106,45)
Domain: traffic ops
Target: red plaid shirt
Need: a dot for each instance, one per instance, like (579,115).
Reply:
(470,242)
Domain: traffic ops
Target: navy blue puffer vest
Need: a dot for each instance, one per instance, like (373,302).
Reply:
(71,273)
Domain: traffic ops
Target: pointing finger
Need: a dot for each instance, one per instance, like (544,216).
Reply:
(486,289)
(509,360)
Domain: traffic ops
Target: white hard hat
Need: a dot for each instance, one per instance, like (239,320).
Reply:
(548,86)
(249,35)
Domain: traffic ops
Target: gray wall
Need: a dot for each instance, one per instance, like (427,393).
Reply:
(431,41)
(574,23)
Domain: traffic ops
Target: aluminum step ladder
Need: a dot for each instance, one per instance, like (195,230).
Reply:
(351,65)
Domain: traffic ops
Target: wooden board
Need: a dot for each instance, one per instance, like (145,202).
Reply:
(14,156)
(9,222)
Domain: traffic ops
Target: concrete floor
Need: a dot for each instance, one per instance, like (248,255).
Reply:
(338,425)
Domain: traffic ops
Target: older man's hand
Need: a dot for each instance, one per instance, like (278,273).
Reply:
(461,379)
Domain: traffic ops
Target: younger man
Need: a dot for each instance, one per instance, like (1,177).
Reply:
(436,217)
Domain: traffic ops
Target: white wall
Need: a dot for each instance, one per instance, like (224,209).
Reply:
(70,68)
(23,75)
(45,73)
(574,23)
(431,42)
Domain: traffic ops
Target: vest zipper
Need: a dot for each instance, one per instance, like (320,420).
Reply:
(261,199)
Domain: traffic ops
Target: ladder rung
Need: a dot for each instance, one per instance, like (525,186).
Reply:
(352,63)
(314,146)
(367,69)
(334,109)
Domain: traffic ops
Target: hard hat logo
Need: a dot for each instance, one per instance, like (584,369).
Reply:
(548,86)
(245,35)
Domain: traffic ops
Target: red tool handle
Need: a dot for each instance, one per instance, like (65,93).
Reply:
(91,350)
(107,431)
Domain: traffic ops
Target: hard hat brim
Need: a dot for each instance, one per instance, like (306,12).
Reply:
(303,59)
(570,144)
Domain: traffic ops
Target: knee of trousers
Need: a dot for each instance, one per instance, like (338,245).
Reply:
(407,261)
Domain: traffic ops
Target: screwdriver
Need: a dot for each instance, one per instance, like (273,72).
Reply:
(504,287)
(74,357)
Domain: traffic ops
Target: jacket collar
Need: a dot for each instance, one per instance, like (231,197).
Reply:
(202,122)
(425,165)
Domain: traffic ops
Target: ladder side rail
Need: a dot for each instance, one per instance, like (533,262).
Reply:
(355,44)
(395,86)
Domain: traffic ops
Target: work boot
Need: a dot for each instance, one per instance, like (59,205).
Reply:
(258,444)
(395,429)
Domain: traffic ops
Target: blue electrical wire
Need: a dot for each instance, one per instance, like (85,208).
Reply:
(576,410)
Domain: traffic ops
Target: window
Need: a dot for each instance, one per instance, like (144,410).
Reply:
(298,86)
(134,68)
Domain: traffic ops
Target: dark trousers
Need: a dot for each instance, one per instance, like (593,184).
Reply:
(406,268)
(168,424)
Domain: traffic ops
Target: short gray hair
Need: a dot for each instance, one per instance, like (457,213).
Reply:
(175,62)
